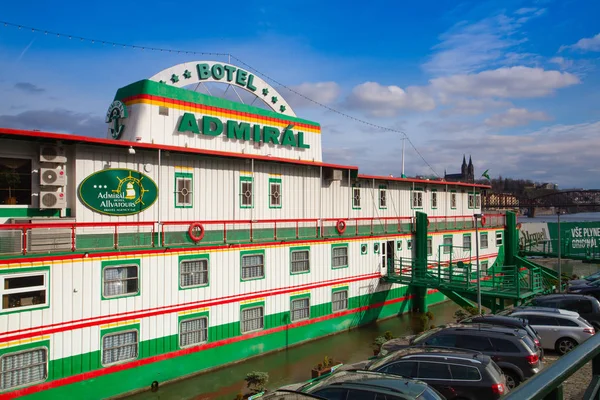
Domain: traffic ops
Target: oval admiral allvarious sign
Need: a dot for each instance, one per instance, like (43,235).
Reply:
(118,191)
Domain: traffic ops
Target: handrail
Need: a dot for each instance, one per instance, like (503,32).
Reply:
(547,384)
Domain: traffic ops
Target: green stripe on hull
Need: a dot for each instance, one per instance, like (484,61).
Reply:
(141,377)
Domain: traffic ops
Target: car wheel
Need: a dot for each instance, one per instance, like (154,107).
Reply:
(564,345)
(512,379)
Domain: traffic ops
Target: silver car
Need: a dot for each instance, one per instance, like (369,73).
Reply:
(560,330)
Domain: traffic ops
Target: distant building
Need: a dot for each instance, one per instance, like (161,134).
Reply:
(545,185)
(467,173)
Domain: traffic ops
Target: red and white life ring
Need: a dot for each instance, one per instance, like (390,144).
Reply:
(340,226)
(483,220)
(196,236)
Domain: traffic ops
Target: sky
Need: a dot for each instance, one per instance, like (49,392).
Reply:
(514,84)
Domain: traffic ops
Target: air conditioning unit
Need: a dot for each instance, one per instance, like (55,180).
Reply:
(333,174)
(53,177)
(53,200)
(53,154)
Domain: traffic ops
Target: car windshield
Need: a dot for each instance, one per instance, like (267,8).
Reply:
(494,370)
(529,343)
(429,394)
(584,322)
(592,277)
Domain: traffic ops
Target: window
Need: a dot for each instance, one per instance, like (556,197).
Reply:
(471,342)
(253,266)
(452,200)
(193,273)
(162,110)
(23,368)
(504,346)
(382,197)
(300,309)
(442,341)
(355,196)
(376,247)
(364,248)
(483,239)
(300,260)
(183,190)
(580,306)
(417,198)
(447,244)
(339,256)
(403,368)
(409,244)
(484,267)
(432,370)
(332,393)
(24,291)
(499,238)
(15,181)
(339,300)
(471,200)
(193,331)
(120,280)
(274,193)
(541,320)
(253,319)
(464,373)
(429,246)
(477,200)
(434,199)
(466,242)
(246,192)
(120,346)
(399,245)
(566,322)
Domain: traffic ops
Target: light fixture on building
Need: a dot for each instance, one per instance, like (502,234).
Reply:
(131,150)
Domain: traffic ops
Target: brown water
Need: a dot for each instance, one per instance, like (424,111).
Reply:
(294,364)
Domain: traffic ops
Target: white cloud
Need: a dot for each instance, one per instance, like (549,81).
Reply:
(506,82)
(387,101)
(585,44)
(515,117)
(469,106)
(525,10)
(562,62)
(322,92)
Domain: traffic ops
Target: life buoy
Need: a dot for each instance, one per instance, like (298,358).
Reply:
(482,220)
(341,226)
(196,237)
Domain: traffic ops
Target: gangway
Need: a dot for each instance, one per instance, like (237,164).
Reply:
(548,248)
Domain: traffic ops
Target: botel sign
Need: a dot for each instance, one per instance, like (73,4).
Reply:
(118,191)
(212,126)
(219,71)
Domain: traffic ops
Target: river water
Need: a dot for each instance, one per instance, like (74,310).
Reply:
(294,364)
(578,217)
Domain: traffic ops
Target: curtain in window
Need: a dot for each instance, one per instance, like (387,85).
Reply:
(119,347)
(23,368)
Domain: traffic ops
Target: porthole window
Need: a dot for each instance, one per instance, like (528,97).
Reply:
(376,247)
(363,248)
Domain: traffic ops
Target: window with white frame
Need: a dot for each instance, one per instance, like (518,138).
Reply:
(466,242)
(499,238)
(253,266)
(382,197)
(429,246)
(193,273)
(434,199)
(300,309)
(193,331)
(356,197)
(471,200)
(119,347)
(183,193)
(452,199)
(253,319)
(246,191)
(478,200)
(300,261)
(484,267)
(23,368)
(417,199)
(275,193)
(120,280)
(339,256)
(339,300)
(447,244)
(16,180)
(483,239)
(24,290)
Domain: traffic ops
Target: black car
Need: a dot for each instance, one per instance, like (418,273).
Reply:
(588,307)
(511,322)
(285,395)
(511,349)
(367,385)
(455,373)
(588,279)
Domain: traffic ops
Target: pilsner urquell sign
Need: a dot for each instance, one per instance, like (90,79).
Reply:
(118,191)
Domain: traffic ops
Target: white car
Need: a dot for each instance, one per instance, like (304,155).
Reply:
(560,330)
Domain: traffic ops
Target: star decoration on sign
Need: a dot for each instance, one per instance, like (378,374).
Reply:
(274,99)
(162,82)
(187,74)
(174,78)
(282,108)
(265,91)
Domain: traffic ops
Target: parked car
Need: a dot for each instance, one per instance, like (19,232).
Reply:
(285,395)
(587,307)
(588,279)
(512,349)
(561,331)
(455,373)
(367,385)
(589,288)
(508,321)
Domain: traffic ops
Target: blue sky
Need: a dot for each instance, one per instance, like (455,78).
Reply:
(513,83)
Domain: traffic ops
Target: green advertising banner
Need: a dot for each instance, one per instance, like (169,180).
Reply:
(118,191)
(577,238)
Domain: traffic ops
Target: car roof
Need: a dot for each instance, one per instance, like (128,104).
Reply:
(555,296)
(396,383)
(561,312)
(448,354)
(498,319)
(478,326)
(283,394)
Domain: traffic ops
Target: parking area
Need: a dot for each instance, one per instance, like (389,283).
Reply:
(576,384)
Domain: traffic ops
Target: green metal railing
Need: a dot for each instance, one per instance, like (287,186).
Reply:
(548,384)
(569,248)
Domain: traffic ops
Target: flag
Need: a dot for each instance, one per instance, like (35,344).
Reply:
(485,175)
